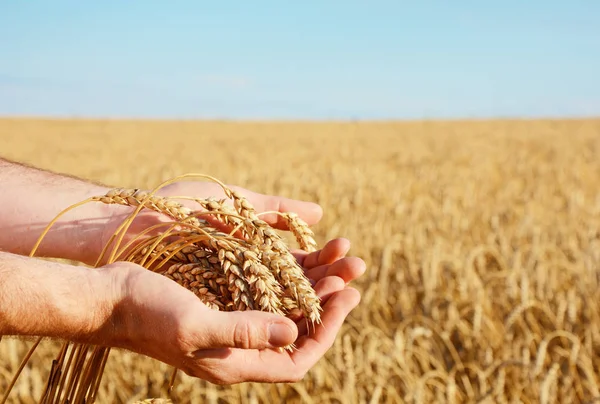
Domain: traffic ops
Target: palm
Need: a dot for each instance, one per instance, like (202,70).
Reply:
(227,365)
(331,273)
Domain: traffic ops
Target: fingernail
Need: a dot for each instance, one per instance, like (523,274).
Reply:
(280,334)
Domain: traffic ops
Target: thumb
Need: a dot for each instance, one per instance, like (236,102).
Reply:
(250,330)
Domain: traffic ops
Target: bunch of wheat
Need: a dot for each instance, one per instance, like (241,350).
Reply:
(235,261)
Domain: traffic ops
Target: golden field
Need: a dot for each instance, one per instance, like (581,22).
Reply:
(482,244)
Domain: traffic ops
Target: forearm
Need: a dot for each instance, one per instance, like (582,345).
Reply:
(31,198)
(43,298)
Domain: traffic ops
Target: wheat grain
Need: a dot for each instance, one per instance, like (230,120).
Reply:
(304,235)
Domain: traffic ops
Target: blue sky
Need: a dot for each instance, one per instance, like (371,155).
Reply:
(300,60)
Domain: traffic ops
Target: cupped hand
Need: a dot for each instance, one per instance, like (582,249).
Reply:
(234,365)
(158,318)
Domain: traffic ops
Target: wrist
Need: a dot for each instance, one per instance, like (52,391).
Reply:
(88,229)
(112,241)
(101,323)
(112,325)
(50,299)
(77,234)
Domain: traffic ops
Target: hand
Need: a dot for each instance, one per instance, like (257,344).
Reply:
(230,347)
(310,212)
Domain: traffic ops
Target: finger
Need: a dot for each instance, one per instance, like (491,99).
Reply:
(323,289)
(270,366)
(310,348)
(349,269)
(310,212)
(246,330)
(331,252)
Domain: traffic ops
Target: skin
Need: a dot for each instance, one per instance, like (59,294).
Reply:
(123,305)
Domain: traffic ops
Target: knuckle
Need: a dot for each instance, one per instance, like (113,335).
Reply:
(245,336)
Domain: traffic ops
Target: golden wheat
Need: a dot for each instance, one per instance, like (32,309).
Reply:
(481,238)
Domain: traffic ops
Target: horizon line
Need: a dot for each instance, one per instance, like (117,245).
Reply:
(507,118)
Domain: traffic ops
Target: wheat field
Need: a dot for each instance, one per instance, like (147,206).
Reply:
(482,244)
